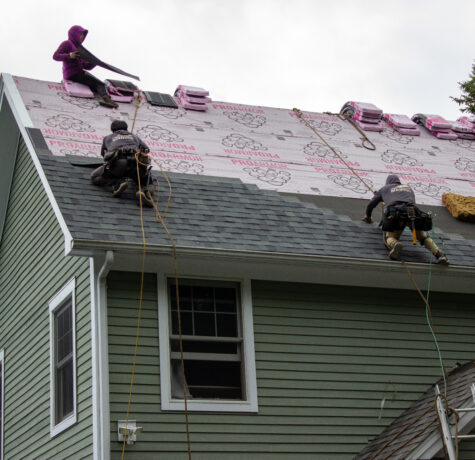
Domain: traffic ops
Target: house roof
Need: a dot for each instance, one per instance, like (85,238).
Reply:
(229,166)
(269,147)
(404,438)
(221,213)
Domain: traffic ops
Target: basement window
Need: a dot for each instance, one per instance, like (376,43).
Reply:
(213,338)
(62,360)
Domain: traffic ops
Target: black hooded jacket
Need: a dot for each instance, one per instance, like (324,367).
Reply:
(392,193)
(120,139)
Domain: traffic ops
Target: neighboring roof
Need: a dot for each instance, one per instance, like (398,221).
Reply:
(222,213)
(389,444)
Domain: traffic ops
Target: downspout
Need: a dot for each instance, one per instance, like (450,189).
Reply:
(100,360)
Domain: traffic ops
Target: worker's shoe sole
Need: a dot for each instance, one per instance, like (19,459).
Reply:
(395,251)
(442,260)
(146,198)
(123,186)
(109,103)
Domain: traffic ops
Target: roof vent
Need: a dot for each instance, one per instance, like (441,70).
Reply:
(160,99)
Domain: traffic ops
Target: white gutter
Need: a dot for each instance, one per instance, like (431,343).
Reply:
(99,355)
(23,121)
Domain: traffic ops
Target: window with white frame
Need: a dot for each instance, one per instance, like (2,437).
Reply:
(62,360)
(217,344)
(2,392)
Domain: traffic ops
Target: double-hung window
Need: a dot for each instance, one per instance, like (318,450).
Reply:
(62,360)
(216,351)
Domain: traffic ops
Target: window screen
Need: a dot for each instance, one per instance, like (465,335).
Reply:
(63,362)
(211,340)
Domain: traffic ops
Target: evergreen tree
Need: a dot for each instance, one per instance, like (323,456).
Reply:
(467,99)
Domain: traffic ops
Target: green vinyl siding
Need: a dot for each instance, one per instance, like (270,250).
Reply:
(325,358)
(33,269)
(467,449)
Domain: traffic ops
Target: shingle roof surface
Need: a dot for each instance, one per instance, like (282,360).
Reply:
(458,392)
(222,213)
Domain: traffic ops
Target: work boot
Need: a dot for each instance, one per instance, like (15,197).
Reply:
(146,198)
(442,258)
(119,188)
(106,101)
(396,249)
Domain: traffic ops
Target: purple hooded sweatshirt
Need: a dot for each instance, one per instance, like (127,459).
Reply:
(72,66)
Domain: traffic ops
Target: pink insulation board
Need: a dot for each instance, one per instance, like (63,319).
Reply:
(460,127)
(366,108)
(408,131)
(377,127)
(77,89)
(401,121)
(467,121)
(269,147)
(450,135)
(193,90)
(437,123)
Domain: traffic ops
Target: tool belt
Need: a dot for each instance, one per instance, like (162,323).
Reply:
(398,216)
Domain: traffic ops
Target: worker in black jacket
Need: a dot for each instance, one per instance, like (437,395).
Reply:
(401,211)
(119,151)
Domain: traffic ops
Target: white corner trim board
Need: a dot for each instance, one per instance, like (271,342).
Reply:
(23,121)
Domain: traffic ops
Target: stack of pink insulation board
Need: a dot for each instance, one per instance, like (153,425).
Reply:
(438,126)
(366,115)
(402,124)
(121,91)
(77,89)
(464,127)
(193,98)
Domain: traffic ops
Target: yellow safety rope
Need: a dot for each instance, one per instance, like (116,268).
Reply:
(160,219)
(428,311)
(299,114)
(137,334)
(348,118)
(137,105)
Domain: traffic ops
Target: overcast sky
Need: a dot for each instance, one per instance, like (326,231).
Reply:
(405,56)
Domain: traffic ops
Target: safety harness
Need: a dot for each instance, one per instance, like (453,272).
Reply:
(400,215)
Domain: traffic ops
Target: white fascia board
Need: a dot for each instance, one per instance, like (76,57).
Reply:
(292,267)
(24,121)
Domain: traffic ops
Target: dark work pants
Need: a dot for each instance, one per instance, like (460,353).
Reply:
(96,85)
(117,171)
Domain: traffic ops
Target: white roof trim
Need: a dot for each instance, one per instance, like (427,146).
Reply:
(23,120)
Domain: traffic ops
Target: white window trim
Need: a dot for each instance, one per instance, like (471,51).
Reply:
(2,386)
(69,290)
(168,403)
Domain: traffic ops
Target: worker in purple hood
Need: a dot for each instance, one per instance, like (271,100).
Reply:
(399,202)
(74,68)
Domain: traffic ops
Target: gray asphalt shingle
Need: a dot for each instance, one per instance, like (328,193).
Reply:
(216,212)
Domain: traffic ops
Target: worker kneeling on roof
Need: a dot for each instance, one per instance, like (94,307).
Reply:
(401,211)
(125,158)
